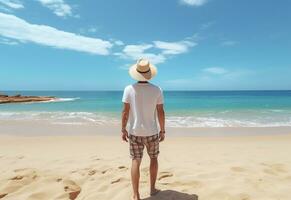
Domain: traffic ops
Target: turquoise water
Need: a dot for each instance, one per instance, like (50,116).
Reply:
(183,108)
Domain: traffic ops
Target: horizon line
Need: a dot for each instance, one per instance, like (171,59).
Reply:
(117,90)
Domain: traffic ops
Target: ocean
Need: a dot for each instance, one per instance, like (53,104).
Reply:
(183,108)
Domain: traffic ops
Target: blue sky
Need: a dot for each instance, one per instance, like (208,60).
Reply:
(196,44)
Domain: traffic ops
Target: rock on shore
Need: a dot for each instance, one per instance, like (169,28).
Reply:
(23,99)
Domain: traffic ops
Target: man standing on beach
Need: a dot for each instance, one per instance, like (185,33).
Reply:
(143,101)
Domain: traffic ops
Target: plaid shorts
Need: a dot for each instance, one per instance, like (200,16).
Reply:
(137,143)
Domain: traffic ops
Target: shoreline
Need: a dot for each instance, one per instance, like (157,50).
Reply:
(272,118)
(44,128)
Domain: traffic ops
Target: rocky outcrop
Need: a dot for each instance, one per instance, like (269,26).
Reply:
(3,95)
(24,99)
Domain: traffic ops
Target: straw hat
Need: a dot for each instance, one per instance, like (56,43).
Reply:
(143,70)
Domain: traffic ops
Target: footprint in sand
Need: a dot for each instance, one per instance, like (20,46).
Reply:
(279,168)
(237,169)
(23,178)
(118,180)
(18,177)
(20,157)
(22,169)
(96,158)
(122,167)
(25,175)
(274,169)
(107,170)
(72,189)
(164,175)
(244,196)
(92,172)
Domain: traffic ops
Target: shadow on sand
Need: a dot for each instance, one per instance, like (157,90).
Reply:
(172,195)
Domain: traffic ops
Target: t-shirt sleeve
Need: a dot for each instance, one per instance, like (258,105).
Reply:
(126,96)
(160,97)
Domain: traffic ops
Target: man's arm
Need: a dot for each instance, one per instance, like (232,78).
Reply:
(125,115)
(161,118)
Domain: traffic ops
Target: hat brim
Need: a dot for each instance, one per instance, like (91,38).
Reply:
(142,76)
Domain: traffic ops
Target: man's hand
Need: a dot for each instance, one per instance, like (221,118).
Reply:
(162,136)
(161,117)
(125,115)
(124,135)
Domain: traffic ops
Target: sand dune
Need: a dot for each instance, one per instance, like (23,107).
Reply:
(191,168)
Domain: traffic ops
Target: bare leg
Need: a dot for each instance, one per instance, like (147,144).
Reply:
(153,175)
(135,178)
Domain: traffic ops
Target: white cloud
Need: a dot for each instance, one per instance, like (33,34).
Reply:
(229,43)
(215,70)
(157,51)
(18,29)
(174,47)
(5,9)
(136,49)
(135,52)
(59,7)
(193,2)
(13,4)
(7,41)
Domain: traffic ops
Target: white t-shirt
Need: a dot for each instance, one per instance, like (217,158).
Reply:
(143,99)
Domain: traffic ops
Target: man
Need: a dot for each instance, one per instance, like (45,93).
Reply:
(143,101)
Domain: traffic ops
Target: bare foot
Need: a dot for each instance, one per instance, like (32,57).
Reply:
(154,191)
(136,197)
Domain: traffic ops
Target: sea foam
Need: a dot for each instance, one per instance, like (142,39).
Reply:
(99,118)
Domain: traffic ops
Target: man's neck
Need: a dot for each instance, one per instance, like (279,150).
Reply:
(143,82)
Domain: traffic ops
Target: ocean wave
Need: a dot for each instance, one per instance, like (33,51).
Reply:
(83,118)
(223,122)
(61,100)
(72,118)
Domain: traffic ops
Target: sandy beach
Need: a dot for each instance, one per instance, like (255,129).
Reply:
(91,166)
(210,77)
